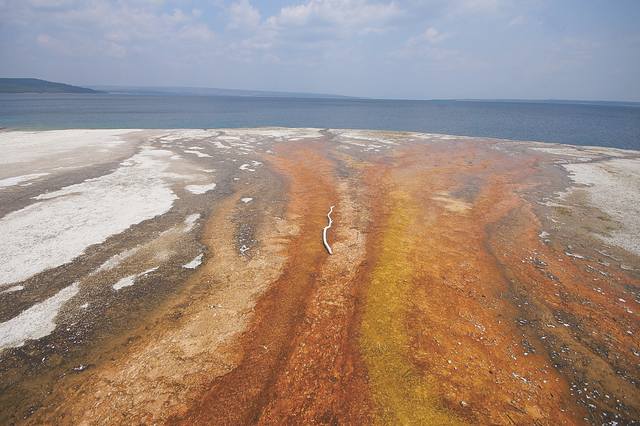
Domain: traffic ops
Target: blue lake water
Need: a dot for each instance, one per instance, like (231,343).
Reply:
(614,125)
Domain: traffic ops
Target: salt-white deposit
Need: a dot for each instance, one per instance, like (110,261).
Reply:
(250,167)
(13,289)
(275,132)
(605,181)
(115,260)
(36,322)
(197,261)
(191,134)
(15,180)
(220,145)
(64,223)
(23,147)
(388,138)
(131,279)
(200,189)
(125,282)
(190,221)
(584,152)
(198,153)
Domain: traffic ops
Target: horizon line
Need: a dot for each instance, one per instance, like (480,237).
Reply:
(310,95)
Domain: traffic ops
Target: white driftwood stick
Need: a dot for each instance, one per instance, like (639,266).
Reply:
(324,231)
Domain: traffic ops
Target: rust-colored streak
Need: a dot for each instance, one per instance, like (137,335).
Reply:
(585,332)
(460,321)
(451,310)
(441,304)
(324,381)
(240,396)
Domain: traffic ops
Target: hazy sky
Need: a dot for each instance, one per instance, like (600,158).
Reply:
(563,49)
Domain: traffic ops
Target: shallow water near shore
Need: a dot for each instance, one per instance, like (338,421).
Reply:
(602,124)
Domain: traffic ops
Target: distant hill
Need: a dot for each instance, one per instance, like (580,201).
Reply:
(35,85)
(206,91)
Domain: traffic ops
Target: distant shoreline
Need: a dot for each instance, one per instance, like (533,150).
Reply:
(248,94)
(611,125)
(36,86)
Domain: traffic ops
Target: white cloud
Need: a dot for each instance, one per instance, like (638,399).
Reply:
(430,36)
(321,45)
(475,6)
(43,39)
(517,20)
(426,48)
(572,51)
(425,42)
(196,32)
(50,3)
(93,27)
(354,15)
(243,15)
(52,44)
(315,26)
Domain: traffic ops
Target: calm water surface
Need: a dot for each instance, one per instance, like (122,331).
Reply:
(579,124)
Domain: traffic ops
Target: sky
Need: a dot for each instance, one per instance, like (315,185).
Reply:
(410,49)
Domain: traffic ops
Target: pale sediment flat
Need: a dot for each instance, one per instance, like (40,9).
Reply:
(608,179)
(16,180)
(48,150)
(140,257)
(131,279)
(37,321)
(141,182)
(604,182)
(61,224)
(193,264)
(200,189)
